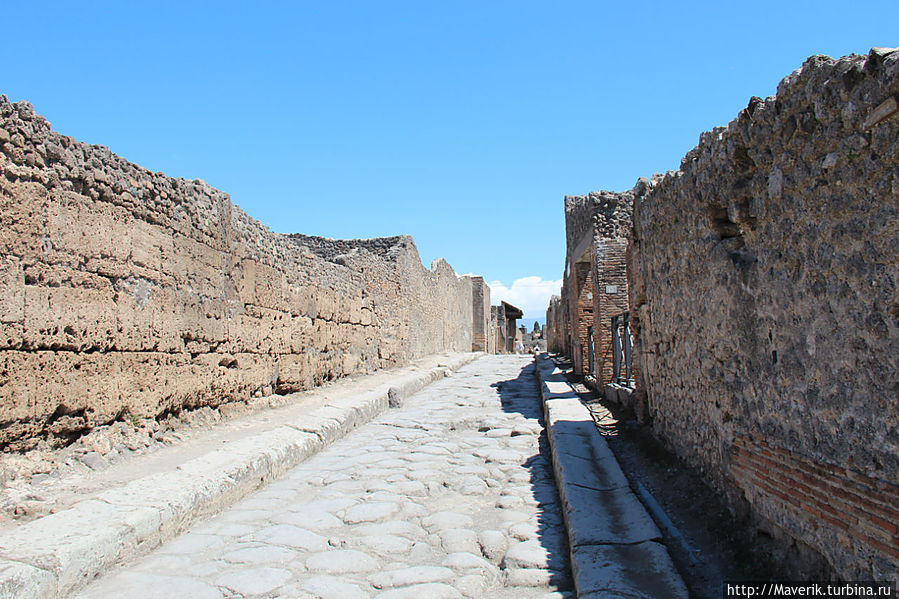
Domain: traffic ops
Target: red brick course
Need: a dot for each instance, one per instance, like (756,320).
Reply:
(823,496)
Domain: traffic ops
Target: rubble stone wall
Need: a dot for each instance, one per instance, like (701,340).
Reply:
(765,289)
(126,292)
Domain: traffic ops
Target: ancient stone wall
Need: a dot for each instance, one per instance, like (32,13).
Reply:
(480,299)
(123,291)
(765,284)
(556,329)
(500,328)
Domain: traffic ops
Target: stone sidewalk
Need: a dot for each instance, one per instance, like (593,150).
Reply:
(616,547)
(450,495)
(124,512)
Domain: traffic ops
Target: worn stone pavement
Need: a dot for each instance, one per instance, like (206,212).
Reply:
(450,495)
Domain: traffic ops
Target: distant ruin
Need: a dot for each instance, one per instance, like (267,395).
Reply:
(759,285)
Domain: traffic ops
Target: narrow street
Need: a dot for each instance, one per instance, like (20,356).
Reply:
(449,495)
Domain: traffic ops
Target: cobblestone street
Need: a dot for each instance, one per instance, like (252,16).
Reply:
(450,495)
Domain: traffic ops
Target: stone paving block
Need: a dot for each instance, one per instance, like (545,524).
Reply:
(464,560)
(459,539)
(261,554)
(535,577)
(194,544)
(331,587)
(410,576)
(388,544)
(433,590)
(341,561)
(370,511)
(316,520)
(534,554)
(152,586)
(253,581)
(493,545)
(287,535)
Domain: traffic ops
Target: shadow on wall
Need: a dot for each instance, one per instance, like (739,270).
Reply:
(520,395)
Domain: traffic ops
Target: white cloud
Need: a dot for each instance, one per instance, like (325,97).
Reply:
(531,294)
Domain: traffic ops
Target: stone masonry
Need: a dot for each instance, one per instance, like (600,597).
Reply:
(763,288)
(126,292)
(482,340)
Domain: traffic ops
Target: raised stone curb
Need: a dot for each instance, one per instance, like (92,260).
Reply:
(614,543)
(56,555)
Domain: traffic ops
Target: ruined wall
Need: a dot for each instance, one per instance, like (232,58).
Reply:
(503,323)
(579,212)
(611,224)
(597,227)
(480,300)
(579,299)
(609,299)
(498,328)
(556,329)
(581,348)
(123,291)
(765,276)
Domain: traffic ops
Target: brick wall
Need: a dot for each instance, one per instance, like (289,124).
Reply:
(595,225)
(609,299)
(564,319)
(846,513)
(583,316)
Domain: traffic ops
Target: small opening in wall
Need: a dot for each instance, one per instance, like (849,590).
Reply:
(721,224)
(774,356)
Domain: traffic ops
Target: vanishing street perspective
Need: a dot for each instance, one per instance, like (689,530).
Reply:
(193,405)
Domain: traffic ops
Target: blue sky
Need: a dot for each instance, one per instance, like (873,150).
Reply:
(461,123)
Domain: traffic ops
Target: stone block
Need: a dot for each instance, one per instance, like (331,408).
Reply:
(79,227)
(12,290)
(23,211)
(153,247)
(72,318)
